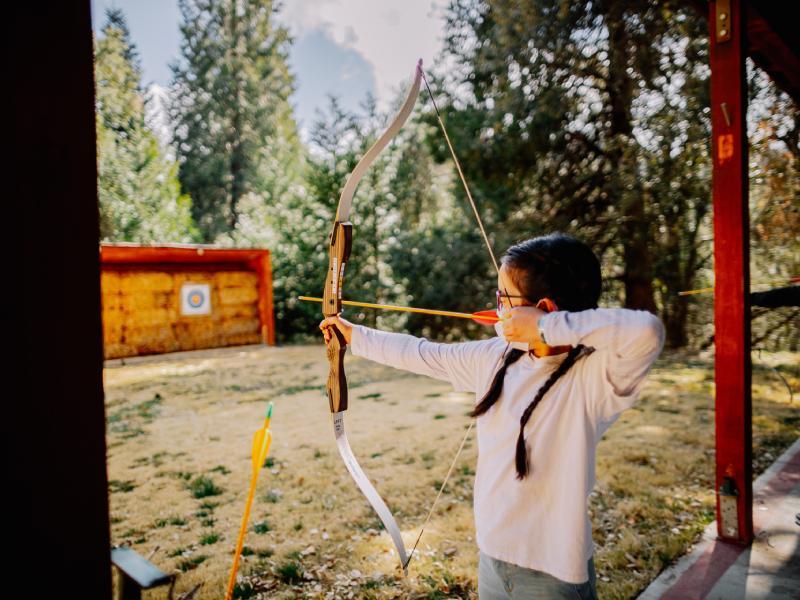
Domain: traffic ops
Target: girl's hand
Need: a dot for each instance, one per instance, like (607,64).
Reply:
(344,327)
(521,324)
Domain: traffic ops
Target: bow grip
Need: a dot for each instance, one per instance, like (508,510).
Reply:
(337,380)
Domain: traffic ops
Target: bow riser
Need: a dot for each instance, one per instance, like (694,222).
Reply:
(339,246)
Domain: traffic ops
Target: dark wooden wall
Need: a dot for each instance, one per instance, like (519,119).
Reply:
(52,408)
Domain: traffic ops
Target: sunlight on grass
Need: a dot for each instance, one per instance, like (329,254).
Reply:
(311,532)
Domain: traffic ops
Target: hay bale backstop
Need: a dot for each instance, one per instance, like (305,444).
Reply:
(169,298)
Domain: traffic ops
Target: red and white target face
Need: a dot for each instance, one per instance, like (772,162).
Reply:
(195,299)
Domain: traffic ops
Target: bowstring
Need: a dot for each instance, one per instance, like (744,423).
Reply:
(505,291)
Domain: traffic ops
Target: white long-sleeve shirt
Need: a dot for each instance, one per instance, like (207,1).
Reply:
(542,521)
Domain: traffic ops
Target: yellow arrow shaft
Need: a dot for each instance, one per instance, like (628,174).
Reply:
(261,442)
(424,311)
(708,290)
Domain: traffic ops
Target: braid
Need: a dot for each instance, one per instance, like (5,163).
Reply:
(522,459)
(563,269)
(497,384)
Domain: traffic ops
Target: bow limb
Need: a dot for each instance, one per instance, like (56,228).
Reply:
(346,199)
(340,244)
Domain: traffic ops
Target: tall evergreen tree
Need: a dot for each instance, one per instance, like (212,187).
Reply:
(139,193)
(235,137)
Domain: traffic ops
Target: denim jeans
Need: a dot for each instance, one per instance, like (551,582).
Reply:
(499,580)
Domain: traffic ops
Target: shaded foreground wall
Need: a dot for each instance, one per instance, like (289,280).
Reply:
(53,425)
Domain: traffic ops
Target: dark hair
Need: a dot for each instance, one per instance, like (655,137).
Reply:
(564,269)
(556,266)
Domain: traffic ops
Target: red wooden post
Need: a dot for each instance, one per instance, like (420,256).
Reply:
(734,472)
(266,310)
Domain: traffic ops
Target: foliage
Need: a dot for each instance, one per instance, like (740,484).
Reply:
(586,117)
(774,132)
(140,197)
(594,118)
(564,114)
(390,199)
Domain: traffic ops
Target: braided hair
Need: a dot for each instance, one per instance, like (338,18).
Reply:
(564,269)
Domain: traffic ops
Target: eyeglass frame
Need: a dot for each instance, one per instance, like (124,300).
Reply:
(501,295)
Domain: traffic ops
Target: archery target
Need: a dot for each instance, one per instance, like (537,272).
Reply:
(195,299)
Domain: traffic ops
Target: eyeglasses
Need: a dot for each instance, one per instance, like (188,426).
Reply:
(500,295)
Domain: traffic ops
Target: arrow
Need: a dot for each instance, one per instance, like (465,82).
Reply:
(261,441)
(708,290)
(484,317)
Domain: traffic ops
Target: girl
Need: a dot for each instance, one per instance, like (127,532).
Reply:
(572,369)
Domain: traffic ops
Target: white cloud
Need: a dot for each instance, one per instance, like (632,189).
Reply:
(390,35)
(157,118)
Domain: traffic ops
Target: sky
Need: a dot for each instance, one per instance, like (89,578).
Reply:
(342,47)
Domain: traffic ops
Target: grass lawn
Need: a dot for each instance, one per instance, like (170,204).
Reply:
(180,428)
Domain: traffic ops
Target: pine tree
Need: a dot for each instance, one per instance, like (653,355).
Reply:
(140,197)
(235,137)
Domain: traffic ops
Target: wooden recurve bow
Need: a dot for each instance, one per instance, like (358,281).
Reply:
(340,244)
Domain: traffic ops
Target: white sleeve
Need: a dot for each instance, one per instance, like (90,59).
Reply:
(628,343)
(462,364)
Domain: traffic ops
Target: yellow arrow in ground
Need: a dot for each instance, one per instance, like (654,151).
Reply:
(261,441)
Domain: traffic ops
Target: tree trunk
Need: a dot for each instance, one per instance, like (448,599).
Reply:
(638,274)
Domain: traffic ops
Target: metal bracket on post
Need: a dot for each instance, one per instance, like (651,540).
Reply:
(723,8)
(729,505)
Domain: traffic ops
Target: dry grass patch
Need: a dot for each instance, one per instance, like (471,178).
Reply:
(179,432)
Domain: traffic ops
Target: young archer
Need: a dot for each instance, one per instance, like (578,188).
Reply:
(547,388)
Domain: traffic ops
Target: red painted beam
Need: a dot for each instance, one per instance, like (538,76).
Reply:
(773,44)
(119,253)
(772,41)
(731,261)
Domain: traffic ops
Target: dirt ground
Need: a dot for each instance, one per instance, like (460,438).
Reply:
(179,435)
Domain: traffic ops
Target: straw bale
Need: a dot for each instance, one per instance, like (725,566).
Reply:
(110,282)
(166,300)
(118,350)
(150,317)
(238,295)
(236,326)
(192,277)
(111,301)
(138,301)
(112,315)
(235,279)
(143,336)
(152,281)
(236,311)
(112,329)
(242,338)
